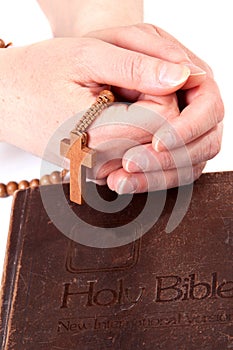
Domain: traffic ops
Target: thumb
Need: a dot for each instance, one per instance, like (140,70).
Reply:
(112,65)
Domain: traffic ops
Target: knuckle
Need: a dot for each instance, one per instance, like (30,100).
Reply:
(193,130)
(187,175)
(196,157)
(213,146)
(134,66)
(209,148)
(217,110)
(173,179)
(167,161)
(190,174)
(212,117)
(151,182)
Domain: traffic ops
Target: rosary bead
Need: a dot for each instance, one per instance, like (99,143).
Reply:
(11,187)
(108,95)
(45,180)
(34,183)
(3,192)
(23,185)
(2,44)
(55,177)
(63,173)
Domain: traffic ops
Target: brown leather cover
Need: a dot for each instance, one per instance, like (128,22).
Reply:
(170,291)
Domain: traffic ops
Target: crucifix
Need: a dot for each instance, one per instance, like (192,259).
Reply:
(76,149)
(80,156)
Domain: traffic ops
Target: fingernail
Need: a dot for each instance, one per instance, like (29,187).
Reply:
(138,162)
(195,70)
(127,186)
(173,74)
(164,140)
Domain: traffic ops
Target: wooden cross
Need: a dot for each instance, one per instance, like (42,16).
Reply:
(80,156)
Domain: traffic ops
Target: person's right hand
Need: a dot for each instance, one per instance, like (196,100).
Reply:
(197,131)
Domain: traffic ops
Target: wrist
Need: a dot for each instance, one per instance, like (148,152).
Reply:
(96,16)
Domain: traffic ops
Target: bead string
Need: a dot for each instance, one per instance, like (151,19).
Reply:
(104,99)
(56,177)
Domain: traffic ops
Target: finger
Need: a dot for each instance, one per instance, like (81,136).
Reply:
(204,111)
(122,126)
(145,38)
(100,182)
(191,56)
(197,65)
(144,158)
(100,171)
(142,38)
(123,182)
(107,64)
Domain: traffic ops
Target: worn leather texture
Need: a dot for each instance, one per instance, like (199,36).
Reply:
(162,291)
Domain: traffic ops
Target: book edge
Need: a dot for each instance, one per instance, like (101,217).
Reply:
(11,265)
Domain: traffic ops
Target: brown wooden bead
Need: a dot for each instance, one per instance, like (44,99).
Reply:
(45,180)
(23,185)
(2,44)
(55,177)
(63,173)
(3,192)
(108,95)
(11,187)
(34,183)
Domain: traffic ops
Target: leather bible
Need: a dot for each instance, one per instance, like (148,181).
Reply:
(161,278)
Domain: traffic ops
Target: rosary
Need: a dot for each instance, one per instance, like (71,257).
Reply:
(75,149)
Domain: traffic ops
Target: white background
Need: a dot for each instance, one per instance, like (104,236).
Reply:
(205,27)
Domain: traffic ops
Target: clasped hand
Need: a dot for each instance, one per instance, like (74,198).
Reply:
(170,146)
(172,126)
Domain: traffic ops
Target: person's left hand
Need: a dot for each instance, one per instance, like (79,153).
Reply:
(182,145)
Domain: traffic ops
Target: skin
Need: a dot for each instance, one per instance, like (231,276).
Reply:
(196,131)
(70,88)
(136,73)
(75,18)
